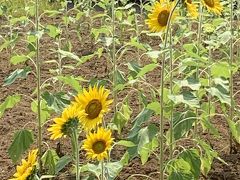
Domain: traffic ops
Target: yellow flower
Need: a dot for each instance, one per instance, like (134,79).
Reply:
(26,169)
(92,104)
(159,15)
(192,8)
(98,144)
(66,124)
(213,6)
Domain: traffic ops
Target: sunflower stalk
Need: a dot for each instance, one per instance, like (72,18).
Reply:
(171,91)
(161,93)
(102,170)
(231,76)
(114,59)
(38,69)
(75,145)
(199,39)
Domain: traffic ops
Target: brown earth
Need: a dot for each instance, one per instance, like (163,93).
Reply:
(20,116)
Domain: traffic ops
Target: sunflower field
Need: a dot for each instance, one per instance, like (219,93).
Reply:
(120,89)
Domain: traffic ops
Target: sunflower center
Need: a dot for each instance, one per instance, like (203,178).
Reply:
(189,1)
(163,17)
(93,108)
(99,147)
(210,3)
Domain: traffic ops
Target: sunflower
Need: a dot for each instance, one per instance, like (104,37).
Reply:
(192,8)
(213,6)
(159,15)
(92,104)
(98,144)
(27,168)
(66,124)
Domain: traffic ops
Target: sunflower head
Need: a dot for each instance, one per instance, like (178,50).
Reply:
(93,104)
(192,8)
(98,144)
(66,124)
(158,18)
(213,6)
(27,168)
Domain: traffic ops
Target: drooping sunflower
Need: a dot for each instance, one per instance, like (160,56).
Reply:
(213,6)
(92,105)
(66,124)
(26,169)
(98,144)
(192,8)
(158,18)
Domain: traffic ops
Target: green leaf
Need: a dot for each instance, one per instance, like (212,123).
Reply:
(9,102)
(154,106)
(57,101)
(189,82)
(220,69)
(18,59)
(18,73)
(126,143)
(224,37)
(186,97)
(68,54)
(221,93)
(179,169)
(146,69)
(182,123)
(49,160)
(141,118)
(192,157)
(53,31)
(113,169)
(235,129)
(45,111)
(62,162)
(22,141)
(134,68)
(122,117)
(71,81)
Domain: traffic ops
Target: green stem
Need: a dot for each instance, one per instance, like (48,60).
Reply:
(114,58)
(161,95)
(209,84)
(76,151)
(231,75)
(171,91)
(102,170)
(38,68)
(197,69)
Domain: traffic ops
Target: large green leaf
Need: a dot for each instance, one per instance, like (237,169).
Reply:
(22,141)
(72,81)
(50,158)
(192,157)
(182,123)
(113,169)
(186,97)
(62,162)
(141,118)
(53,31)
(57,101)
(18,73)
(45,111)
(235,129)
(18,59)
(179,169)
(9,102)
(147,69)
(221,93)
(154,106)
(189,82)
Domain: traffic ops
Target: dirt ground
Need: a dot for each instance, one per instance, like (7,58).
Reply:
(20,116)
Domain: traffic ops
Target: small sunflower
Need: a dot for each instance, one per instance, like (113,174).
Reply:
(213,6)
(92,105)
(192,8)
(65,124)
(98,144)
(159,15)
(27,168)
